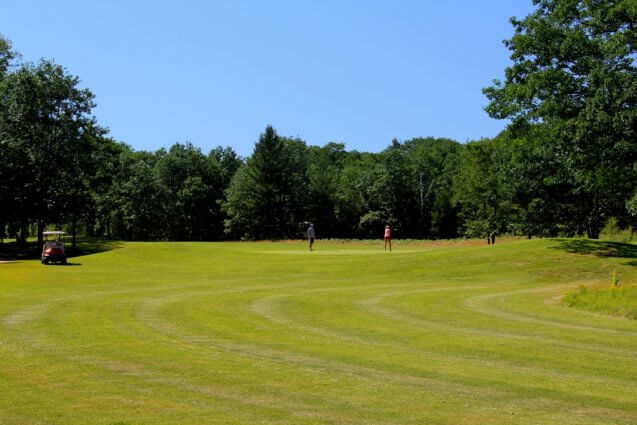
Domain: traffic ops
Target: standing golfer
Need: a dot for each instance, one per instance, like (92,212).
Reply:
(387,237)
(310,235)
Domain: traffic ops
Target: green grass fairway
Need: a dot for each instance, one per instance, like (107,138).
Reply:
(250,333)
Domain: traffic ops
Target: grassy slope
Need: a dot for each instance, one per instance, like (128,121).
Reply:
(268,333)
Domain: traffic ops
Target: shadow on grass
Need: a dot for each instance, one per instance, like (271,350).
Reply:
(11,251)
(94,246)
(599,248)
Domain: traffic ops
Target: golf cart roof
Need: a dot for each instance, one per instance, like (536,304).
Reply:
(54,232)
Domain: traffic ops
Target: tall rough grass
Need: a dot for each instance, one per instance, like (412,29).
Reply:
(616,300)
(613,232)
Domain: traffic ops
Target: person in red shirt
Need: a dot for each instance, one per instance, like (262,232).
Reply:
(387,237)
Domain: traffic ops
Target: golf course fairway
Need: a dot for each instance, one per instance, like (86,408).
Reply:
(266,332)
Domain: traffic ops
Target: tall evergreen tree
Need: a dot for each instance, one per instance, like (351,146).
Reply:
(263,200)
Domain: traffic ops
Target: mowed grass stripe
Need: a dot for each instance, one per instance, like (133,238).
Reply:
(236,333)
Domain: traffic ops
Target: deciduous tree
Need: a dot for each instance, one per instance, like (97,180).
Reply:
(574,70)
(44,116)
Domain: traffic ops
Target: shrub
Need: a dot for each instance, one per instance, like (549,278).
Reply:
(612,231)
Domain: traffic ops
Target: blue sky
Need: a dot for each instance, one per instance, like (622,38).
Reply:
(216,73)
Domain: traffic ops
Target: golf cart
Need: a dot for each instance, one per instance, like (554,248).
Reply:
(53,249)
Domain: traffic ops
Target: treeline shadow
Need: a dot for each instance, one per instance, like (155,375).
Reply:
(94,246)
(12,251)
(599,248)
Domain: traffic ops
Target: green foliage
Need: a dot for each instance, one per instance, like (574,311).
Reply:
(239,208)
(325,165)
(482,190)
(174,194)
(631,205)
(538,182)
(563,167)
(611,228)
(266,197)
(47,134)
(6,55)
(139,213)
(433,164)
(408,185)
(363,194)
(227,161)
(192,186)
(612,231)
(574,72)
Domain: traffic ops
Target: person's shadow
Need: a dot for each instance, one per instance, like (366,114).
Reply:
(599,248)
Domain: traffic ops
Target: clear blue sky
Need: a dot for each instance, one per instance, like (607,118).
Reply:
(216,73)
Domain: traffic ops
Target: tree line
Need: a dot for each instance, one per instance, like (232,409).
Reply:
(565,165)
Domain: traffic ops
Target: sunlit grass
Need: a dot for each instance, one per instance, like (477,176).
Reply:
(266,332)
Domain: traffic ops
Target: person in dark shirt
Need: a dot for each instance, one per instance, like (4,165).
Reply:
(310,235)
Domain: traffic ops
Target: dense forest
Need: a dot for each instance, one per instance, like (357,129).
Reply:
(566,165)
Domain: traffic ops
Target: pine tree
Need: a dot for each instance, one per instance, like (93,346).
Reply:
(263,198)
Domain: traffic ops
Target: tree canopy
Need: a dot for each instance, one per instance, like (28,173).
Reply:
(574,73)
(565,165)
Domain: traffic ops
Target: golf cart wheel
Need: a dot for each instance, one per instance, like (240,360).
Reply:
(63,260)
(45,261)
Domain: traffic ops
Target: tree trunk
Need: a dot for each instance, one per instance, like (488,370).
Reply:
(74,233)
(40,235)
(21,237)
(90,229)
(592,232)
